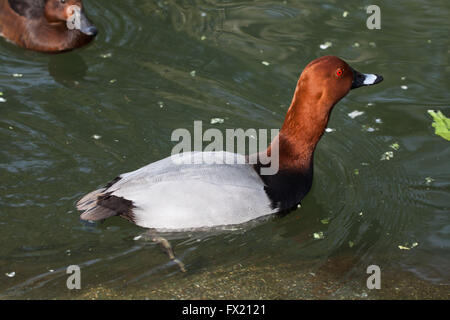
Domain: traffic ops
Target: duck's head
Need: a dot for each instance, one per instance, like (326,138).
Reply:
(70,12)
(328,79)
(323,82)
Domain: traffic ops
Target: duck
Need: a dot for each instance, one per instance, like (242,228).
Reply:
(50,26)
(179,193)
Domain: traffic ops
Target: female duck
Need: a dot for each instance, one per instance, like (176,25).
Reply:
(46,25)
(179,193)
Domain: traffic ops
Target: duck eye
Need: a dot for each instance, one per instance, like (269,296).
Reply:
(339,72)
(63,1)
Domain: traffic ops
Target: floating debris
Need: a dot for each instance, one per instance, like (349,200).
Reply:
(395,146)
(355,114)
(330,130)
(378,120)
(325,221)
(403,78)
(137,237)
(10,274)
(356,45)
(2,99)
(97,137)
(17,75)
(106,55)
(192,73)
(203,38)
(360,214)
(429,180)
(113,81)
(318,235)
(161,104)
(265,63)
(51,270)
(405,247)
(217,120)
(404,87)
(345,14)
(388,155)
(356,172)
(351,244)
(368,128)
(372,44)
(325,45)
(441,124)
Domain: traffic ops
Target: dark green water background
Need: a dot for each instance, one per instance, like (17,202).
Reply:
(134,85)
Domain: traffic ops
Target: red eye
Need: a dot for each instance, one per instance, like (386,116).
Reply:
(339,72)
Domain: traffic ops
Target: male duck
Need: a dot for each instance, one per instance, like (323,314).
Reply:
(180,193)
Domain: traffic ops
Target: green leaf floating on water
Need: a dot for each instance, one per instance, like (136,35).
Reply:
(441,124)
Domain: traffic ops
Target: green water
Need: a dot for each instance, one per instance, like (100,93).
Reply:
(134,85)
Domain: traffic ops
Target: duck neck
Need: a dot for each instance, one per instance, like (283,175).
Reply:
(304,125)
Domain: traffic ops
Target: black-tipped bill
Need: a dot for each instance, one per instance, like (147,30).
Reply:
(363,79)
(86,26)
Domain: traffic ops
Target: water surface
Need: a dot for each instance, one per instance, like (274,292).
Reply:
(72,122)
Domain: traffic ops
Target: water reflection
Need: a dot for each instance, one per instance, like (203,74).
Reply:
(68,70)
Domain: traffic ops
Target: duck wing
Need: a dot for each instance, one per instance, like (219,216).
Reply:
(31,9)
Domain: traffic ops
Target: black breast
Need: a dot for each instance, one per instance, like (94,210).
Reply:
(287,187)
